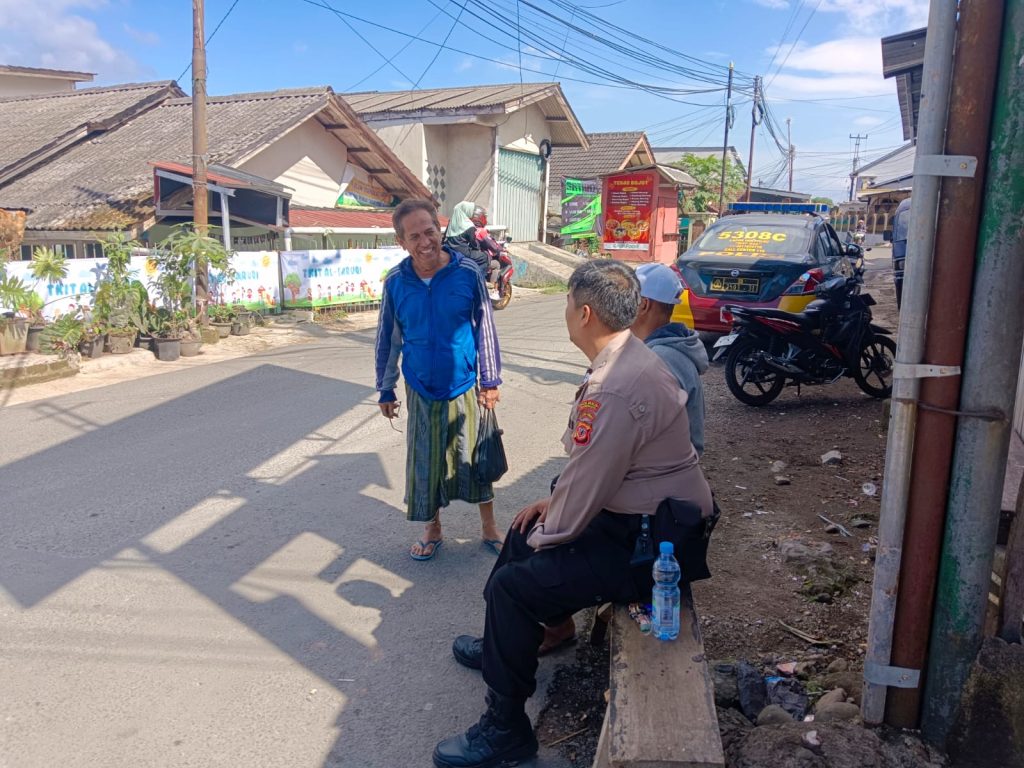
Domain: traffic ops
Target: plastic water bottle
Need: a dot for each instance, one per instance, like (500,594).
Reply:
(665,597)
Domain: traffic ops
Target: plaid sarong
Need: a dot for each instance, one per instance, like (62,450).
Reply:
(439,458)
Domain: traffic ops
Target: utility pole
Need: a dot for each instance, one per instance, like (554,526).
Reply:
(725,141)
(200,200)
(754,122)
(856,159)
(792,151)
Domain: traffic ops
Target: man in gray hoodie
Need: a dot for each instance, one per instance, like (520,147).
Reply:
(679,348)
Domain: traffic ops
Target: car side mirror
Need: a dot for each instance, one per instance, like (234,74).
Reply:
(853,250)
(508,238)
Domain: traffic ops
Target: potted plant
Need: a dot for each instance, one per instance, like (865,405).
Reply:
(221,317)
(62,336)
(94,336)
(122,302)
(13,330)
(191,336)
(167,333)
(50,267)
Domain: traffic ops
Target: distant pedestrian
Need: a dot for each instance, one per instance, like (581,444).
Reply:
(435,315)
(679,348)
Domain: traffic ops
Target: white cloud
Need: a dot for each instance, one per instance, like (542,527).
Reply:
(466,64)
(880,16)
(849,55)
(866,121)
(53,33)
(143,36)
(809,86)
(773,4)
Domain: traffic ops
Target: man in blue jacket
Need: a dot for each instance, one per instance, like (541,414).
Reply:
(436,316)
(679,348)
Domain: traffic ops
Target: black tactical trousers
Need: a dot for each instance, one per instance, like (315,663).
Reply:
(527,589)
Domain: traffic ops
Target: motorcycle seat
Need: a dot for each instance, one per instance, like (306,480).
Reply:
(804,319)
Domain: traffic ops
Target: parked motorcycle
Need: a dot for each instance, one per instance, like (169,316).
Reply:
(832,338)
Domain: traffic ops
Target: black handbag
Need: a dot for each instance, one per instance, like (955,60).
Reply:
(489,453)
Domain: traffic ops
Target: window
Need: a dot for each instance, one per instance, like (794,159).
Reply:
(67,250)
(26,252)
(92,250)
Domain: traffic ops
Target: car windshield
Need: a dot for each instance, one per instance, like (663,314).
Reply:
(734,237)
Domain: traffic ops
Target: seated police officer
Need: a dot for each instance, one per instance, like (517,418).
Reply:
(629,450)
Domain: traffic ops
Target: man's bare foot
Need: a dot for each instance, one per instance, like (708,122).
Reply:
(558,636)
(425,548)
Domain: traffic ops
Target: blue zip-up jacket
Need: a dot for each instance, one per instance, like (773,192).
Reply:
(444,332)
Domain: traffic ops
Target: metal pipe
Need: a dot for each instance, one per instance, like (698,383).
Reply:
(986,399)
(974,76)
(725,141)
(938,64)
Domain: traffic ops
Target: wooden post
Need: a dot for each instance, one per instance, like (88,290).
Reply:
(200,200)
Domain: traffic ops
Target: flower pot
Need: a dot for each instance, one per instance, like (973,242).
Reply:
(119,344)
(240,328)
(167,350)
(35,333)
(210,335)
(190,347)
(223,329)
(144,341)
(13,335)
(91,348)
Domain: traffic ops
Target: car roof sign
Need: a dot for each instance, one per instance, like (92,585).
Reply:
(818,208)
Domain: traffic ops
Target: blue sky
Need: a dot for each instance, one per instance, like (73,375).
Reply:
(820,60)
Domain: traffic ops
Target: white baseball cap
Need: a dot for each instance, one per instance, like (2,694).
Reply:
(659,283)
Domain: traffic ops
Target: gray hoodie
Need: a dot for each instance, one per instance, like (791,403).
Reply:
(683,353)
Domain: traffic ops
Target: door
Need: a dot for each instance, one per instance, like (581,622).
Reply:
(520,193)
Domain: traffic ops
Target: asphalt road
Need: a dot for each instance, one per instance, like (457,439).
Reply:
(209,567)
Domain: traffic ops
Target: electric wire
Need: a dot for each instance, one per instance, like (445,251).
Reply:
(212,34)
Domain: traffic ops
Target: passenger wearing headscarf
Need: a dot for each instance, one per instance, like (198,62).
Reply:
(465,236)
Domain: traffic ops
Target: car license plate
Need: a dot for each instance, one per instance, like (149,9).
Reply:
(725,341)
(735,284)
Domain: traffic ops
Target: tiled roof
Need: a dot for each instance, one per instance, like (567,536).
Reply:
(61,74)
(107,182)
(608,152)
(32,125)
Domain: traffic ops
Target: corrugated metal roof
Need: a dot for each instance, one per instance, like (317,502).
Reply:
(669,155)
(608,152)
(30,125)
(895,166)
(61,74)
(106,182)
(476,100)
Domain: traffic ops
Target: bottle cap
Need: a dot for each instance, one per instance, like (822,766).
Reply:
(666,548)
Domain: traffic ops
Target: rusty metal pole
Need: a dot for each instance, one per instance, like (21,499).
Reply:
(200,199)
(970,113)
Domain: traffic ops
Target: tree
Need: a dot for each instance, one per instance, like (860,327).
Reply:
(826,200)
(707,172)
(293,283)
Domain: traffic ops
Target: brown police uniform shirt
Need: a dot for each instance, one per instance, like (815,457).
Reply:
(628,443)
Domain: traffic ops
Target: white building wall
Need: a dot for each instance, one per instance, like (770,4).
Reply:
(523,130)
(460,163)
(23,85)
(408,141)
(308,160)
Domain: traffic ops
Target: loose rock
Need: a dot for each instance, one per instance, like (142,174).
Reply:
(834,696)
(836,712)
(794,551)
(860,522)
(782,480)
(839,665)
(832,458)
(773,715)
(778,467)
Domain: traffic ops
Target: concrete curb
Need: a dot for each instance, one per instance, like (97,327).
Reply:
(36,372)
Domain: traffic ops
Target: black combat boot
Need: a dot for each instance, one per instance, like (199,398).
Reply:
(504,734)
(469,651)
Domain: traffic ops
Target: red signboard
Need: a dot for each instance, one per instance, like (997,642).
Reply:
(627,211)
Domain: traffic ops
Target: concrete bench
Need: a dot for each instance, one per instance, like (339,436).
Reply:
(661,710)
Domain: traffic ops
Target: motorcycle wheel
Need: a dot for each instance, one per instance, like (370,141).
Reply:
(874,369)
(504,298)
(748,379)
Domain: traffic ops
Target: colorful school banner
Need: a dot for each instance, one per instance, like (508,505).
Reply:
(256,284)
(326,278)
(628,204)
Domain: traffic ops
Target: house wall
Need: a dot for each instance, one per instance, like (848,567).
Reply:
(465,153)
(523,130)
(308,160)
(409,143)
(22,85)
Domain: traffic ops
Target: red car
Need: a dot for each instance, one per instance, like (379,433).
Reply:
(758,260)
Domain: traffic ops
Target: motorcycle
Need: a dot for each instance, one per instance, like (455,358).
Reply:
(499,278)
(831,339)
